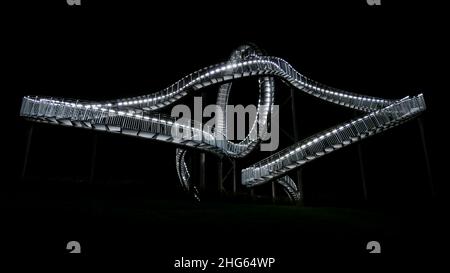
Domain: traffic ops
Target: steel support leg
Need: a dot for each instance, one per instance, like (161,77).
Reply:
(27,151)
(234,177)
(362,171)
(274,196)
(93,157)
(296,138)
(220,175)
(202,171)
(425,152)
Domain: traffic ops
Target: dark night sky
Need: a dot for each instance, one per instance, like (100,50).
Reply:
(112,49)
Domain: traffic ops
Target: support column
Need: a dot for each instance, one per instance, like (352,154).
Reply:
(296,138)
(202,155)
(234,177)
(220,175)
(93,157)
(362,171)
(202,171)
(27,152)
(425,152)
(274,197)
(194,161)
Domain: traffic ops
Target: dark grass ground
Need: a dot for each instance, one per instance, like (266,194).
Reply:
(127,221)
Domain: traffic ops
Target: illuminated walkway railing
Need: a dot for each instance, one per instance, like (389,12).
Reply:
(253,66)
(138,116)
(332,139)
(154,126)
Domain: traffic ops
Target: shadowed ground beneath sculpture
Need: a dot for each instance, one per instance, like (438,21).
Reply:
(120,221)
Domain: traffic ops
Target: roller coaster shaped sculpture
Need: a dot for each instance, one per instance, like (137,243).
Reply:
(140,116)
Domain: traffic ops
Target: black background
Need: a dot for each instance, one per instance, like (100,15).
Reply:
(112,49)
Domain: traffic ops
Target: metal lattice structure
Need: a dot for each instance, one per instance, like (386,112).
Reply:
(140,116)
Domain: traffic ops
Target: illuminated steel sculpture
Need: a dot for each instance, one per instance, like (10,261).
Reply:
(139,116)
